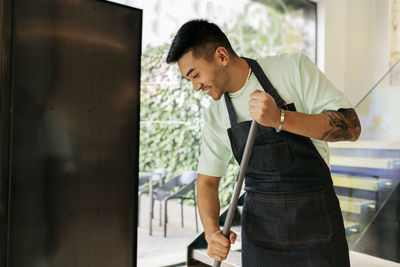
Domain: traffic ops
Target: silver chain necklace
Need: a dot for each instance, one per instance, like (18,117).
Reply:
(240,91)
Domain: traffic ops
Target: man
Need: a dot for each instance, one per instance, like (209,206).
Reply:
(291,215)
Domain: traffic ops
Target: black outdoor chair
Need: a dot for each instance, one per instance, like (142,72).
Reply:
(177,187)
(157,176)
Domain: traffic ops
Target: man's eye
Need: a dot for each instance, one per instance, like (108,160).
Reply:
(195,76)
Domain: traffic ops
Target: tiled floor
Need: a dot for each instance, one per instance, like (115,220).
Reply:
(157,251)
(363,260)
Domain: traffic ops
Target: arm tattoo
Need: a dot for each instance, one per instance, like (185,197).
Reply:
(344,125)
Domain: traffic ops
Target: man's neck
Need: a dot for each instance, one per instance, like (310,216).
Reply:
(239,74)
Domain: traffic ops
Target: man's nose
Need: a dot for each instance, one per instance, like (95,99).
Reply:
(197,86)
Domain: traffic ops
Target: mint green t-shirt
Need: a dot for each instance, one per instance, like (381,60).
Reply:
(297,81)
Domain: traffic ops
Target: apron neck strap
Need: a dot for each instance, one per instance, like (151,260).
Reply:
(265,83)
(231,110)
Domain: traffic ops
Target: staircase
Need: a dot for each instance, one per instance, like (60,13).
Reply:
(366,177)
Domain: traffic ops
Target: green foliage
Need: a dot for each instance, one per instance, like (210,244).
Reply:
(171,110)
(170,116)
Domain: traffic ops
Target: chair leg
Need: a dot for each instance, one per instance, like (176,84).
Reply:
(195,214)
(150,224)
(182,212)
(152,208)
(138,209)
(160,214)
(165,217)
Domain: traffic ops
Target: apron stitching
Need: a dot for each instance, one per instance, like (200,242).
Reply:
(327,215)
(331,229)
(285,200)
(313,241)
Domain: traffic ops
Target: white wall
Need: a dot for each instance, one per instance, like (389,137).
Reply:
(353,43)
(331,39)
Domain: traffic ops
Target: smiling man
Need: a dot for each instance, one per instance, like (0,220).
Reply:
(291,215)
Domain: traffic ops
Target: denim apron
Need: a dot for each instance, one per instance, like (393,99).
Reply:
(291,215)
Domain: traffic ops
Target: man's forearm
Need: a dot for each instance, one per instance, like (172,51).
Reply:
(331,126)
(208,202)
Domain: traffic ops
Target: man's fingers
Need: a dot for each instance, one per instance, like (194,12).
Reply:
(221,248)
(219,245)
(255,103)
(216,256)
(232,237)
(222,240)
(255,94)
(218,251)
(259,97)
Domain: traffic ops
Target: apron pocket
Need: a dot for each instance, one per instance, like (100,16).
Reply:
(287,220)
(270,157)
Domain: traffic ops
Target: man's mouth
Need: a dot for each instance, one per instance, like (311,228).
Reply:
(207,90)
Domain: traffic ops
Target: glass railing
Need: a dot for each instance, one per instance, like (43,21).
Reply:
(366,173)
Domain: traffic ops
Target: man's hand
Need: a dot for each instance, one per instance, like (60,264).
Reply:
(218,245)
(330,125)
(263,109)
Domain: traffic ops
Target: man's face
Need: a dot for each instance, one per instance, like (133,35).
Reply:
(207,76)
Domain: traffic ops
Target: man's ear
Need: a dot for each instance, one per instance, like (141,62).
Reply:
(221,56)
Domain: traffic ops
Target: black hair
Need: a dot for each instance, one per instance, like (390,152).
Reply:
(199,36)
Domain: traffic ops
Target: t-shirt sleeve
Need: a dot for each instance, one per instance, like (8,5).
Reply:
(319,93)
(214,155)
